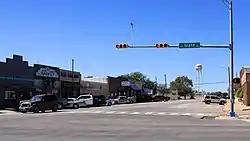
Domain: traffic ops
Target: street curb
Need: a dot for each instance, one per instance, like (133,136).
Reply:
(208,117)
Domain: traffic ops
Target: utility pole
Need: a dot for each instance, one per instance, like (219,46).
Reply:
(73,61)
(231,47)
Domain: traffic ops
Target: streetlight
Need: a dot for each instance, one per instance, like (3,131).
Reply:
(229,5)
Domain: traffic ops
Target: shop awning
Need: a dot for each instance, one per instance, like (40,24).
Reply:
(134,87)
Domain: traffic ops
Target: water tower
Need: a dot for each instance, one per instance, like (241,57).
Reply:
(198,68)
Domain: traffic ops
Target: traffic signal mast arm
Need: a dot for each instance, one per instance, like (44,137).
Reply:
(177,46)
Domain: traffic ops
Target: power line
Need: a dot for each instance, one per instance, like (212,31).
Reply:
(223,82)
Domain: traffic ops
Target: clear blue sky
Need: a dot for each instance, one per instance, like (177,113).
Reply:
(55,31)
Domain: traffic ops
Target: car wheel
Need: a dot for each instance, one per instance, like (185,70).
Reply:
(36,109)
(75,106)
(208,102)
(59,106)
(222,103)
(54,109)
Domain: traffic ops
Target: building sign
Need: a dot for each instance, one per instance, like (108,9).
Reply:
(46,71)
(66,75)
(125,83)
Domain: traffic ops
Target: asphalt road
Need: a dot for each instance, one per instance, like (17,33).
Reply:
(181,107)
(110,127)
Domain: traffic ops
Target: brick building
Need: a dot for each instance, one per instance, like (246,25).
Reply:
(245,84)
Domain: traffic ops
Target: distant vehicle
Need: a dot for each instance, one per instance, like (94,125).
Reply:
(132,99)
(87,98)
(214,99)
(39,103)
(110,101)
(159,98)
(74,103)
(121,100)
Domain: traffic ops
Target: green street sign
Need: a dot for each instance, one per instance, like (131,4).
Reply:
(190,45)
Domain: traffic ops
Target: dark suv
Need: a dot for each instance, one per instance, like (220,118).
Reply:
(40,103)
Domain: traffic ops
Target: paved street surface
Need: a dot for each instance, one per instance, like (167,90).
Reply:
(105,127)
(136,122)
(181,107)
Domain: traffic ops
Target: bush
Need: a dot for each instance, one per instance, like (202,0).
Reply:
(239,93)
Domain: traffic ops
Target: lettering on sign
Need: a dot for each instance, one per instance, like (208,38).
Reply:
(47,72)
(125,83)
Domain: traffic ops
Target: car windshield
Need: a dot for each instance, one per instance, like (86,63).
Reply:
(36,98)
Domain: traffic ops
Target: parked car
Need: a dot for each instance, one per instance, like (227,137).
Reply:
(110,101)
(99,100)
(121,100)
(88,98)
(62,102)
(132,99)
(74,103)
(40,103)
(214,99)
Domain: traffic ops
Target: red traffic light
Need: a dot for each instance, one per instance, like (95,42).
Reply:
(122,46)
(161,45)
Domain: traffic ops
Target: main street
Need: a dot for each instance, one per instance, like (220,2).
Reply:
(143,121)
(111,127)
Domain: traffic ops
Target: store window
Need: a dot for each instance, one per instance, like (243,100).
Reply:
(63,74)
(76,76)
(10,95)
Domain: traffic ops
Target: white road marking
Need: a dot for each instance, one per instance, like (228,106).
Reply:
(122,112)
(82,112)
(148,113)
(173,114)
(97,112)
(200,114)
(161,113)
(186,114)
(110,112)
(135,113)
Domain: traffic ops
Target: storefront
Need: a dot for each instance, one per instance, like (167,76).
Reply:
(70,83)
(47,79)
(16,81)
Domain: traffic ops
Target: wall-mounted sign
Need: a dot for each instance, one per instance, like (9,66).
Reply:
(47,72)
(125,83)
(66,75)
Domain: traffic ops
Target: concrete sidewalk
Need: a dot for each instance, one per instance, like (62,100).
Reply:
(242,111)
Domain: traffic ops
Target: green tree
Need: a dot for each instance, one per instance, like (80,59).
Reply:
(183,84)
(239,93)
(138,76)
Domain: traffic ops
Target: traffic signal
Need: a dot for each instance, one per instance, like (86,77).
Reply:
(161,45)
(236,80)
(122,46)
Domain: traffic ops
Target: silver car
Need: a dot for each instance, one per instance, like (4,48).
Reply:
(74,103)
